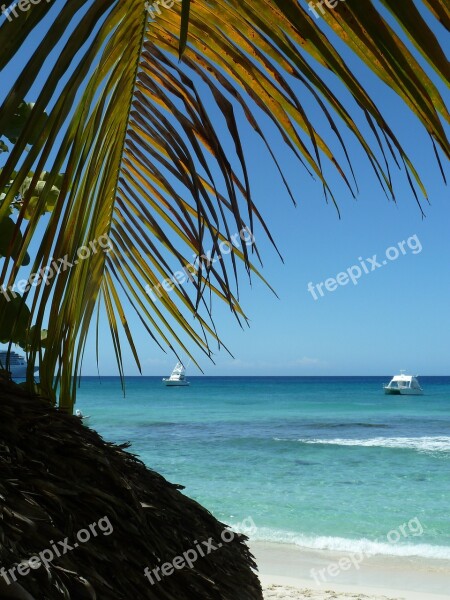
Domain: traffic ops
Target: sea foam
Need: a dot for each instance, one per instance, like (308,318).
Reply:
(421,444)
(365,546)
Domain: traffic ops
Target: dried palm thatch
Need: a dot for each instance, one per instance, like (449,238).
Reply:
(58,477)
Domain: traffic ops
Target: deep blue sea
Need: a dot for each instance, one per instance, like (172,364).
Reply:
(321,462)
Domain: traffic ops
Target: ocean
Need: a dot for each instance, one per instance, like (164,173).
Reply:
(320,462)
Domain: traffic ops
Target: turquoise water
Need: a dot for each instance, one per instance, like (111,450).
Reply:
(319,462)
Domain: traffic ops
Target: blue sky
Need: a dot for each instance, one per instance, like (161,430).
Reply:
(395,317)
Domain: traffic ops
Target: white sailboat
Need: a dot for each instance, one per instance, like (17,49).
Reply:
(177,377)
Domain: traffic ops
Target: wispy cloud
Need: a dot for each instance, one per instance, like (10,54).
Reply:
(307,361)
(257,365)
(157,362)
(249,364)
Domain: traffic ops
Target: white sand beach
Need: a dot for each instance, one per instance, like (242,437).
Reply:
(285,572)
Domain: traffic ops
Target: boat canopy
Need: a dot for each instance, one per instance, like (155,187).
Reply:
(178,372)
(404,381)
(178,369)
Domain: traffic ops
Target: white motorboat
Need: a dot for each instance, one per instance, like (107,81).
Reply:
(407,385)
(14,363)
(177,377)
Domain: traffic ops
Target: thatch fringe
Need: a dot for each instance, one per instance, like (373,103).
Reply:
(58,477)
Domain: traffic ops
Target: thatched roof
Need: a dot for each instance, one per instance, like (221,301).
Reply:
(57,477)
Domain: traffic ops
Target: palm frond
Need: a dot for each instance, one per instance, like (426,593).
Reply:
(127,134)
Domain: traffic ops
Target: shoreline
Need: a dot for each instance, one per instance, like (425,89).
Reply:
(285,573)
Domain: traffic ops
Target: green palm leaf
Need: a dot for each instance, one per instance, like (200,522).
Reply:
(126,135)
